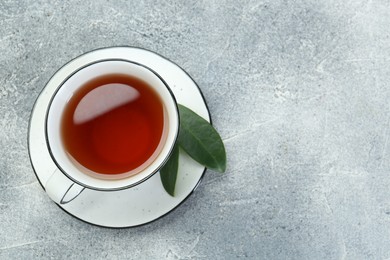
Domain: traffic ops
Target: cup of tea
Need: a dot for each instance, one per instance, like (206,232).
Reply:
(110,125)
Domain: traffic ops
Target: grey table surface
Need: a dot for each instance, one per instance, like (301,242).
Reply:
(299,91)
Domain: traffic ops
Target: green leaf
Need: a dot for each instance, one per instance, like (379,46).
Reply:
(200,140)
(168,172)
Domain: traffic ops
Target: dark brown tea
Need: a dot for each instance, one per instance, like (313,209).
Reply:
(113,124)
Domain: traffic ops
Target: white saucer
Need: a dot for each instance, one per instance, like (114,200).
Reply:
(147,201)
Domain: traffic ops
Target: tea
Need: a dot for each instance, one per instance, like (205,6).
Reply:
(113,124)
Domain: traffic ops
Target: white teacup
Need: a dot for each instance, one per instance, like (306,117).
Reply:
(70,179)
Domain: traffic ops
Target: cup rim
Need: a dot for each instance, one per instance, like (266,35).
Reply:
(154,170)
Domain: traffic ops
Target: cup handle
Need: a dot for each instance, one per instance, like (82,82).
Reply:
(61,189)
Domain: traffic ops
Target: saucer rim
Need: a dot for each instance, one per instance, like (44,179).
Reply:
(43,89)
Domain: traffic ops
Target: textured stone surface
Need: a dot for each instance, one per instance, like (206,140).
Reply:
(299,91)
